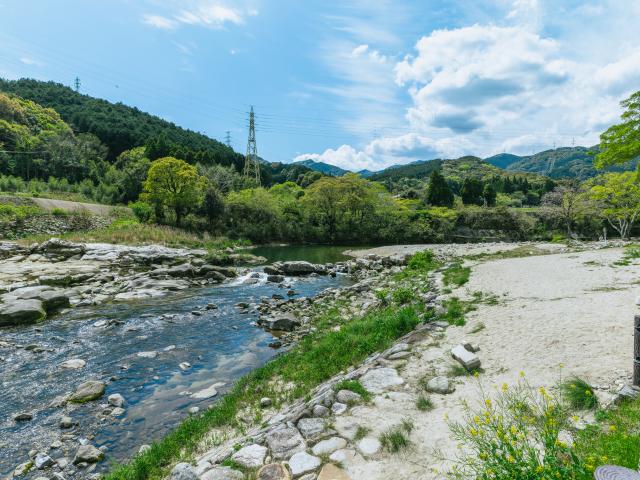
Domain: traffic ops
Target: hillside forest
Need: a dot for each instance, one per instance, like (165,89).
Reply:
(58,143)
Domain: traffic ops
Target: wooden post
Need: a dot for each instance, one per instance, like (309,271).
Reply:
(636,350)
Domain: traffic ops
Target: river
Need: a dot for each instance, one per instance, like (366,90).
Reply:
(220,345)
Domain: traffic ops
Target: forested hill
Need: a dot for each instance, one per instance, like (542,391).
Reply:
(322,167)
(564,162)
(120,127)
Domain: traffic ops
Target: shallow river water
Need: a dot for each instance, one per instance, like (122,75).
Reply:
(220,345)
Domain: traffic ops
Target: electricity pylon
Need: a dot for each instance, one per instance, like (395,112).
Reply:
(251,163)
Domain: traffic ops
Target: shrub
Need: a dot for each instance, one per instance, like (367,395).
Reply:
(402,295)
(424,404)
(59,212)
(516,436)
(396,438)
(579,394)
(142,210)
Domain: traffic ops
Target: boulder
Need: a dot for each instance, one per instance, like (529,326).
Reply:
(369,446)
(467,359)
(73,364)
(272,270)
(348,397)
(339,408)
(87,391)
(184,270)
(116,400)
(183,471)
(298,267)
(42,460)
(275,278)
(302,463)
(23,417)
(88,454)
(312,428)
(284,442)
(54,300)
(222,473)
(273,471)
(320,411)
(286,322)
(380,379)
(21,312)
(251,456)
(440,385)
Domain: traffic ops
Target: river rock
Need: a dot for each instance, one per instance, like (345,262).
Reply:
(328,446)
(73,363)
(338,408)
(87,391)
(273,471)
(440,385)
(251,456)
(312,428)
(21,312)
(331,472)
(275,278)
(380,379)
(116,400)
(222,473)
(302,463)
(467,359)
(369,446)
(66,422)
(54,300)
(42,460)
(208,392)
(296,267)
(320,411)
(348,397)
(88,453)
(284,442)
(286,322)
(149,354)
(23,417)
(183,471)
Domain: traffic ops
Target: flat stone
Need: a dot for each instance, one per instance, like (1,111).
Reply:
(117,412)
(311,428)
(467,359)
(87,391)
(285,442)
(344,456)
(331,472)
(273,471)
(369,446)
(208,392)
(88,453)
(183,471)
(116,400)
(440,385)
(302,463)
(320,411)
(399,356)
(151,354)
(73,364)
(380,379)
(328,446)
(222,473)
(348,397)
(251,456)
(339,408)
(400,347)
(21,312)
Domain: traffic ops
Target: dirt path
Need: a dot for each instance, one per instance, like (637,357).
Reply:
(94,208)
(571,309)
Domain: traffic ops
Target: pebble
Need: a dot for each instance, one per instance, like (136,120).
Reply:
(23,417)
(116,400)
(440,385)
(265,402)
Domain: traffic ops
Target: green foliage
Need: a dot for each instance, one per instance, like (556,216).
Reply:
(142,210)
(10,211)
(439,193)
(424,404)
(617,196)
(471,191)
(516,435)
(455,311)
(361,432)
(579,394)
(456,274)
(402,295)
(422,261)
(59,212)
(621,142)
(395,438)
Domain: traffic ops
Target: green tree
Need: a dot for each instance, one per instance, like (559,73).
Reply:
(621,142)
(213,205)
(618,197)
(471,192)
(176,184)
(439,193)
(134,165)
(490,195)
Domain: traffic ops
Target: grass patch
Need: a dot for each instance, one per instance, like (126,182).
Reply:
(457,370)
(631,253)
(355,386)
(361,432)
(578,394)
(420,263)
(314,360)
(396,438)
(424,404)
(402,295)
(455,311)
(615,439)
(456,274)
(518,252)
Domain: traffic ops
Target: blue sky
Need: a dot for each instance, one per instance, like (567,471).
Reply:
(360,84)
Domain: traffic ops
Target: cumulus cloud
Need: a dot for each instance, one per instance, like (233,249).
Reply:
(204,13)
(345,157)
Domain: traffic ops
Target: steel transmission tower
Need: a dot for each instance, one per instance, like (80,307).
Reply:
(77,84)
(251,163)
(227,139)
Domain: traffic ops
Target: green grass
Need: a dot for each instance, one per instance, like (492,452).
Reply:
(396,438)
(424,404)
(615,439)
(420,263)
(361,432)
(578,394)
(631,252)
(455,311)
(10,211)
(402,295)
(456,274)
(314,360)
(518,252)
(354,386)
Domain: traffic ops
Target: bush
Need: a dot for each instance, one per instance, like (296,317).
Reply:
(142,210)
(402,295)
(579,394)
(396,438)
(59,212)
(516,436)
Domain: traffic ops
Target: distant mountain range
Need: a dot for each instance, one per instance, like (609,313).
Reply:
(563,162)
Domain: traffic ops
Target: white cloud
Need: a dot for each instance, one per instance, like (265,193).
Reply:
(31,61)
(345,157)
(204,13)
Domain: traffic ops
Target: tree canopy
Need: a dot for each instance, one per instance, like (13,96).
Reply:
(620,143)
